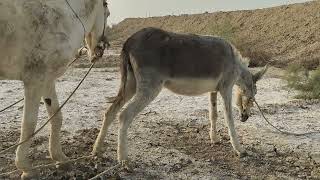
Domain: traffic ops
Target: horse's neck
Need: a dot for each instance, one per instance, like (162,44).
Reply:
(86,11)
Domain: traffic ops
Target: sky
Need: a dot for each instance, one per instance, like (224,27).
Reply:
(121,9)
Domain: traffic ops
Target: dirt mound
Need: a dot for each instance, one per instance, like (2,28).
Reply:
(279,35)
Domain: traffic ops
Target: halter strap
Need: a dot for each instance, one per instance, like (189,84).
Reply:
(74,12)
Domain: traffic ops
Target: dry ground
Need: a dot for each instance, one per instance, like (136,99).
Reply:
(169,139)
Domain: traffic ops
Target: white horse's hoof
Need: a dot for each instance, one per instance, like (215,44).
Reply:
(29,175)
(126,166)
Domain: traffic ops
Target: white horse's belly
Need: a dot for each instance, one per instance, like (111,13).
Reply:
(191,87)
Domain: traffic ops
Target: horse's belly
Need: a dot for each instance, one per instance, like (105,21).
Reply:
(191,87)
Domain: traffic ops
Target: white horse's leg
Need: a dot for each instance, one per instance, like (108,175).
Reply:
(32,95)
(52,105)
(214,137)
(227,99)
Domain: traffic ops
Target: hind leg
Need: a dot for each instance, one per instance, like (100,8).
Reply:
(214,137)
(52,105)
(147,90)
(110,114)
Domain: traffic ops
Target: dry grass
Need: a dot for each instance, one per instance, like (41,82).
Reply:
(306,82)
(257,57)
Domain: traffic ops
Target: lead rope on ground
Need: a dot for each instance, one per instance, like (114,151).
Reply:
(37,131)
(101,175)
(8,107)
(51,165)
(282,131)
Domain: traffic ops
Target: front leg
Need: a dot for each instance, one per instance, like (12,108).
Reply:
(227,99)
(214,137)
(52,105)
(32,95)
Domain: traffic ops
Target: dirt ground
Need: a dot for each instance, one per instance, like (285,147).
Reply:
(169,139)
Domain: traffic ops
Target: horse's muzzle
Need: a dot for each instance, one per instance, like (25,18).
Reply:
(99,49)
(244,117)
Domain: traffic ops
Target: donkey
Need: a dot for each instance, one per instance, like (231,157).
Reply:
(38,41)
(185,64)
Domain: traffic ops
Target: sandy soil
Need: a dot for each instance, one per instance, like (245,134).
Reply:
(169,139)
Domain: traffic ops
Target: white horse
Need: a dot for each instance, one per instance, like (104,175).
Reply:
(38,39)
(185,64)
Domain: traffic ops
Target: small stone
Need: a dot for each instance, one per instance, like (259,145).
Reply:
(270,155)
(189,161)
(289,159)
(195,171)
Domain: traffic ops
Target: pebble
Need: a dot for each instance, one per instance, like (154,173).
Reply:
(290,159)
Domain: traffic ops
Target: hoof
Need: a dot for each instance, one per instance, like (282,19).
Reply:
(30,175)
(126,166)
(61,162)
(97,149)
(64,166)
(97,154)
(216,142)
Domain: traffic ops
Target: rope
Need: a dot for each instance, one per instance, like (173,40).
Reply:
(282,131)
(11,105)
(51,165)
(105,172)
(55,165)
(74,12)
(37,131)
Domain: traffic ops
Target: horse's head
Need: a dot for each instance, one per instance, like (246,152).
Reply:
(96,39)
(245,95)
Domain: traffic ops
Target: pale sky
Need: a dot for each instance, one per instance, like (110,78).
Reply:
(121,9)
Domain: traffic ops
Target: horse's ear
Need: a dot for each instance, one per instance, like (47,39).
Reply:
(257,76)
(245,61)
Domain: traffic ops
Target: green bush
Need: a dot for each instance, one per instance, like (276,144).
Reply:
(306,82)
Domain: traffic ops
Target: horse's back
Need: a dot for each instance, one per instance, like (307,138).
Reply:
(180,55)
